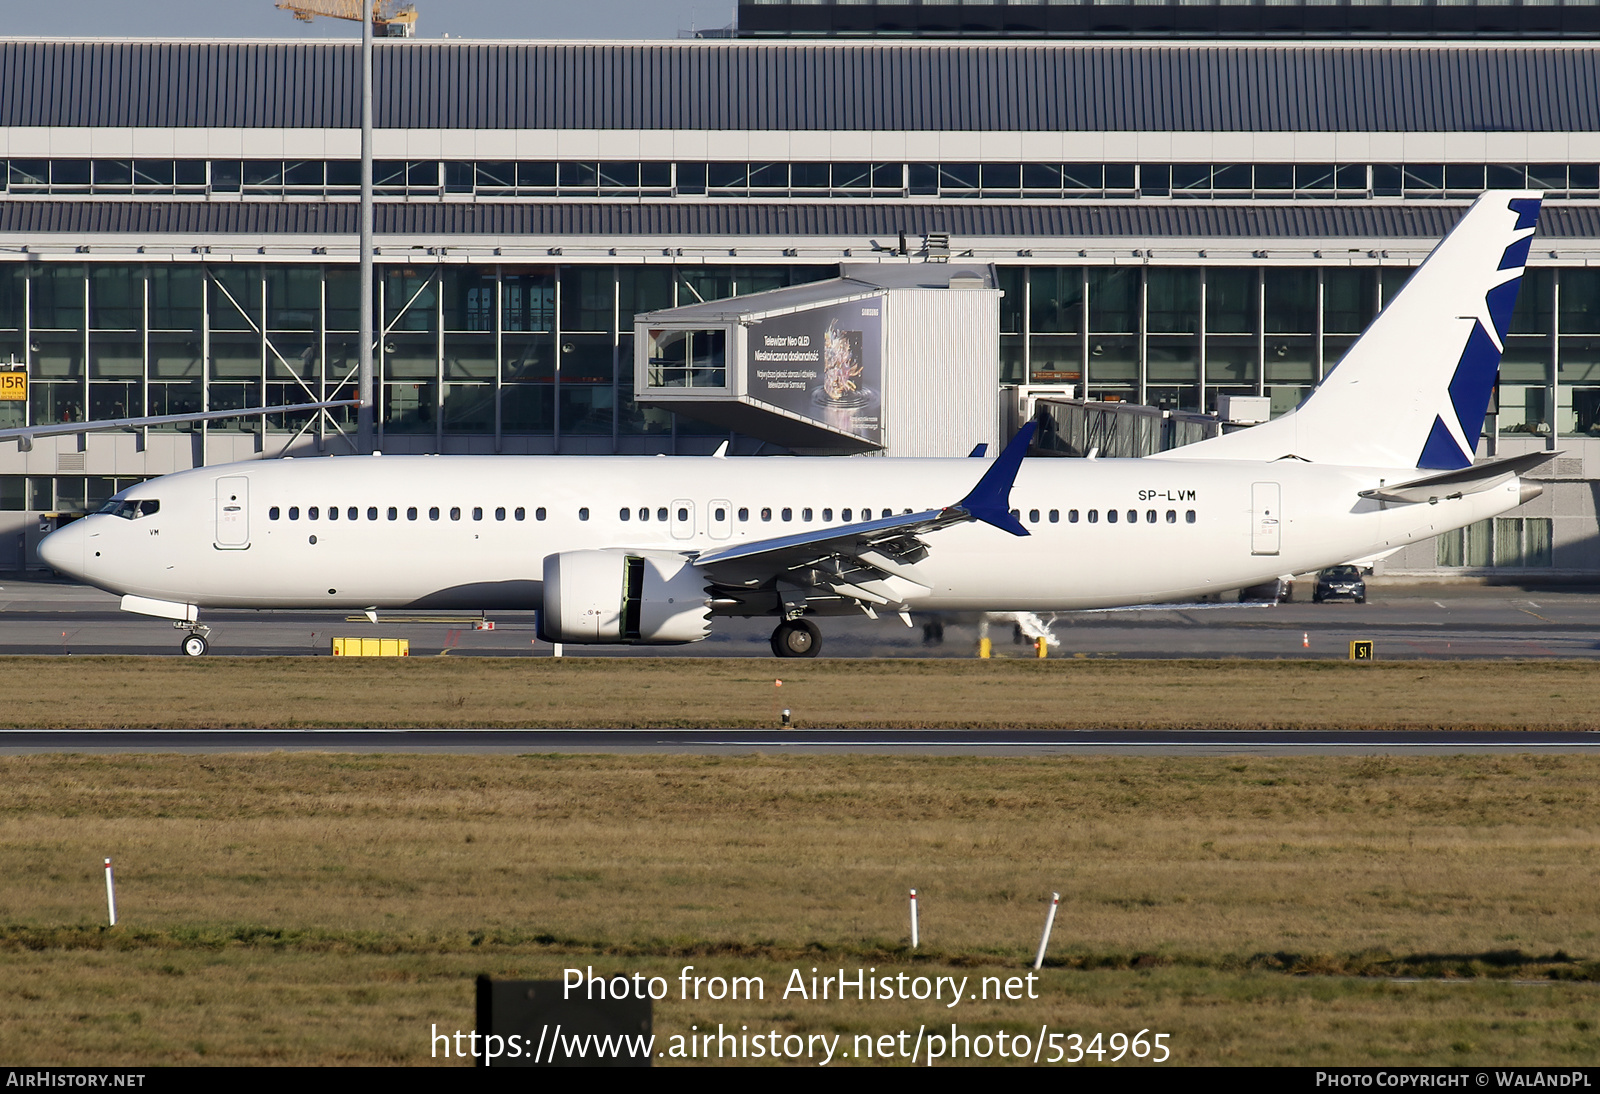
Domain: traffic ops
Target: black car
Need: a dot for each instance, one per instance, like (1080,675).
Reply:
(1340,583)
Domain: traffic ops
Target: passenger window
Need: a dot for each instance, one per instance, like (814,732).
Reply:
(721,514)
(394,513)
(1033,516)
(744,514)
(372,513)
(500,512)
(455,512)
(333,512)
(353,513)
(1055,516)
(1111,516)
(272,514)
(520,513)
(294,512)
(624,514)
(477,512)
(1172,516)
(1094,516)
(661,513)
(1133,516)
(433,512)
(805,515)
(411,513)
(1072,516)
(1189,517)
(538,514)
(766,514)
(1150,516)
(788,514)
(311,513)
(683,514)
(844,515)
(827,516)
(583,514)
(1016,514)
(644,513)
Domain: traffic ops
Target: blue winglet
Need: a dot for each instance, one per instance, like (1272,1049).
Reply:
(990,500)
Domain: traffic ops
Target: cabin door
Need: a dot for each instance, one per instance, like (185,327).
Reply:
(233,513)
(1265,518)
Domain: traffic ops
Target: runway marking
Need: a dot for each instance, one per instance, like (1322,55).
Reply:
(1536,615)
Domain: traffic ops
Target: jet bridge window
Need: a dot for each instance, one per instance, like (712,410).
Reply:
(688,358)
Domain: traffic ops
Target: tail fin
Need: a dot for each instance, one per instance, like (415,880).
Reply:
(1413,390)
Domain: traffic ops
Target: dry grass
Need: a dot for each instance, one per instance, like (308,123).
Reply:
(304,908)
(115,692)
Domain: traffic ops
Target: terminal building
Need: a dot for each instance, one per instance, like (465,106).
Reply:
(1134,222)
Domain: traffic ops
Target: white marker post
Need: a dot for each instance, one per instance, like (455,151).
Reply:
(1049,922)
(913,919)
(111,896)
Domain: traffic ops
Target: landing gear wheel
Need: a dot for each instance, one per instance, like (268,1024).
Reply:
(195,645)
(796,638)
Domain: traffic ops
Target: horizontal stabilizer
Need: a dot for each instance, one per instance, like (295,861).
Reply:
(1454,484)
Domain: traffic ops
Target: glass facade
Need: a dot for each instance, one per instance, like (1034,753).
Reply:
(480,350)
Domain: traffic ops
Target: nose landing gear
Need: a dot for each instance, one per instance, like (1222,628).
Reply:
(796,638)
(194,643)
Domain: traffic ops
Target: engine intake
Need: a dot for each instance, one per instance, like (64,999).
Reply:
(645,597)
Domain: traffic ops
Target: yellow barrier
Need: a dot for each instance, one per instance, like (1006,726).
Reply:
(372,647)
(985,648)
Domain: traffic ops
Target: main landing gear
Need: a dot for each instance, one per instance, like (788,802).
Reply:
(194,643)
(796,638)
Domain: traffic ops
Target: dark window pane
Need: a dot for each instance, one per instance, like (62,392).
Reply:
(923,178)
(496,174)
(691,178)
(958,176)
(808,176)
(458,177)
(852,176)
(1463,176)
(1313,176)
(1424,176)
(1191,176)
(75,173)
(888,176)
(1092,176)
(727,176)
(1547,176)
(303,173)
(345,173)
(1274,176)
(263,172)
(656,176)
(1507,177)
(1583,176)
(1119,176)
(390,173)
(113,172)
(158,172)
(1230,176)
(1155,179)
(769,176)
(622,176)
(1002,176)
(579,176)
(1041,176)
(1352,176)
(536,173)
(422,173)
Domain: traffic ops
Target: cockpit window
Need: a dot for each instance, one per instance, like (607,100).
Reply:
(129,509)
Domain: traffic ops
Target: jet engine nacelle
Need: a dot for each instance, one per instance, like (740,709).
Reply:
(648,597)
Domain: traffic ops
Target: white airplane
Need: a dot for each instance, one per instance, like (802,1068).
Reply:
(653,550)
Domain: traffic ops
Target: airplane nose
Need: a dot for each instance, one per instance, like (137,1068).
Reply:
(62,550)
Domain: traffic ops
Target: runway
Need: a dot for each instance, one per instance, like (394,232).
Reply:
(803,742)
(1455,622)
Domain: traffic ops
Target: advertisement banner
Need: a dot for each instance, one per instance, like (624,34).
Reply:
(825,364)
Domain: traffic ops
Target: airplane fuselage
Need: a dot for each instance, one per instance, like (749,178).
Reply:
(473,531)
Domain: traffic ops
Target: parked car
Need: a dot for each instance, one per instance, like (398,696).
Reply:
(1340,583)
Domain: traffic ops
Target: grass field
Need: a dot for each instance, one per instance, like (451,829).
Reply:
(94,692)
(318,908)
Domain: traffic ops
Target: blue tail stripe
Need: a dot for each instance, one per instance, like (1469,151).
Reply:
(1502,300)
(1516,255)
(1473,380)
(1527,210)
(1442,453)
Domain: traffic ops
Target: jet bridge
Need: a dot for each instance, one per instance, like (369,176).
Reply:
(901,360)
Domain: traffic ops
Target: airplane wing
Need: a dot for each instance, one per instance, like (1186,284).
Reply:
(870,561)
(26,433)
